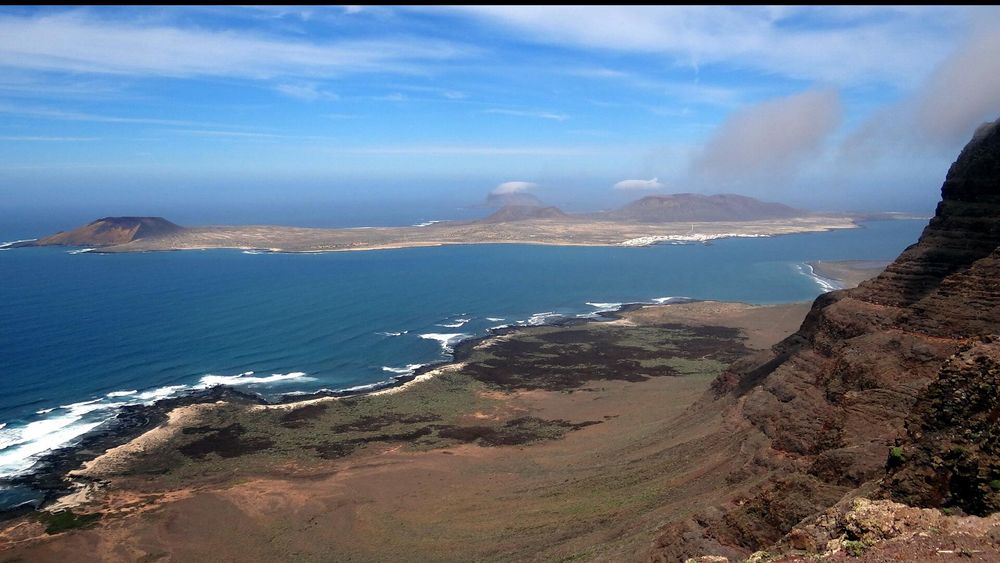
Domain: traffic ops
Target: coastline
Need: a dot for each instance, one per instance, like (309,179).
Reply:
(135,420)
(66,469)
(847,273)
(479,414)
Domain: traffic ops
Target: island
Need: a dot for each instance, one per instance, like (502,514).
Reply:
(677,218)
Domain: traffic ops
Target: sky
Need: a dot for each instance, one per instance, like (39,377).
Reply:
(341,115)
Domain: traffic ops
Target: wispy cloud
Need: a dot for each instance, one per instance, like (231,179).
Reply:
(536,114)
(887,44)
(79,42)
(236,134)
(39,139)
(309,92)
(61,115)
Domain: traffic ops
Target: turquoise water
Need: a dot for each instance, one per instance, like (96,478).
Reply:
(75,328)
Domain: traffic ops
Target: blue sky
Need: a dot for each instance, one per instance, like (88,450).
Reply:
(165,110)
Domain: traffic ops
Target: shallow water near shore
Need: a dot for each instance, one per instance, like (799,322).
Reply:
(84,333)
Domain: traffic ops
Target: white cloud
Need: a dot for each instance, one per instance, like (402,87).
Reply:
(77,42)
(308,92)
(862,46)
(654,184)
(769,139)
(940,116)
(963,91)
(521,113)
(61,115)
(513,187)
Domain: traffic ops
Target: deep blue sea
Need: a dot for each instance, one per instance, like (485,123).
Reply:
(82,333)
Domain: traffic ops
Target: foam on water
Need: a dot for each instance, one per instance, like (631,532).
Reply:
(826,285)
(495,319)
(446,340)
(21,446)
(161,393)
(114,394)
(456,324)
(4,245)
(248,378)
(605,307)
(665,300)
(539,319)
(408,370)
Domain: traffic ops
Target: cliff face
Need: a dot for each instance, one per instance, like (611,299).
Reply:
(826,406)
(110,231)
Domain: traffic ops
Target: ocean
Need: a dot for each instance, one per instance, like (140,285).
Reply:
(81,334)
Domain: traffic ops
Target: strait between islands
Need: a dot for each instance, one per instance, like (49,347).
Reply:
(664,433)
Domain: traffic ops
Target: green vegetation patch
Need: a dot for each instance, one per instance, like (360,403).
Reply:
(65,520)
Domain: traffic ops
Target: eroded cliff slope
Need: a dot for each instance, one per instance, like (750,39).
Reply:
(823,410)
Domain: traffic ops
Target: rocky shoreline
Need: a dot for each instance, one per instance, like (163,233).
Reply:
(49,479)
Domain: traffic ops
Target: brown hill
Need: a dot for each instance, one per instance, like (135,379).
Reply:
(696,207)
(523,213)
(515,198)
(821,413)
(110,231)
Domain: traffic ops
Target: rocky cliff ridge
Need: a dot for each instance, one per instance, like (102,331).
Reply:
(826,409)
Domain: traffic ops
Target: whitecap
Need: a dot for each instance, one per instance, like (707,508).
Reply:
(19,447)
(446,340)
(46,411)
(248,378)
(426,223)
(457,323)
(4,245)
(160,393)
(665,300)
(121,393)
(540,318)
(408,370)
(825,284)
(605,307)
(400,333)
(80,251)
(368,387)
(84,407)
(495,319)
